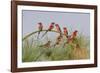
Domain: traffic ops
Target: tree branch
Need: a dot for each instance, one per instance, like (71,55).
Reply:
(39,31)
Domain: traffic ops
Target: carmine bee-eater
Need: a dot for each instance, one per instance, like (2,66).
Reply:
(58,40)
(65,32)
(58,29)
(73,36)
(49,29)
(40,28)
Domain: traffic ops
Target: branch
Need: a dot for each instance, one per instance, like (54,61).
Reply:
(37,32)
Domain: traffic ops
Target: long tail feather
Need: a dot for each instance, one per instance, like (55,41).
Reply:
(44,34)
(38,35)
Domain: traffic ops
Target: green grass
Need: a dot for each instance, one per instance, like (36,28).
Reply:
(32,52)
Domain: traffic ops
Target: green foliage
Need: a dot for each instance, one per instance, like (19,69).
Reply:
(31,50)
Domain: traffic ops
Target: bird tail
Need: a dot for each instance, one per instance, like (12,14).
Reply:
(44,34)
(38,35)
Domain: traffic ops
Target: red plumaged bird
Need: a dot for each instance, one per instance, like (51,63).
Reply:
(40,28)
(74,34)
(58,40)
(70,38)
(51,26)
(65,32)
(58,29)
(49,29)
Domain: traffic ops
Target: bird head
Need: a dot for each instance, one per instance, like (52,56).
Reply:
(40,23)
(64,28)
(56,25)
(76,31)
(52,23)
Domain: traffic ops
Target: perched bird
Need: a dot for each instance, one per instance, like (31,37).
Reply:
(73,36)
(65,32)
(49,29)
(40,28)
(58,29)
(69,39)
(58,40)
(46,45)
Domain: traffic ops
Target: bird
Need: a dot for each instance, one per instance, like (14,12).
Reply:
(58,40)
(51,26)
(58,29)
(40,28)
(65,31)
(73,36)
(46,45)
